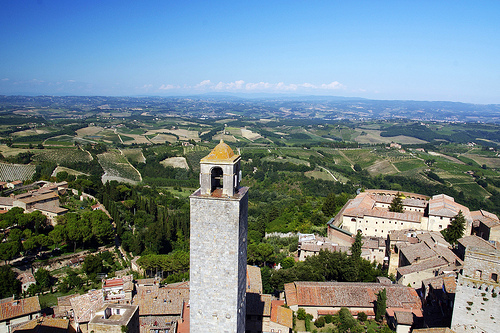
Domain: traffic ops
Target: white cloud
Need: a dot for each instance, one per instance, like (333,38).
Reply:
(168,87)
(204,83)
(5,79)
(332,86)
(242,86)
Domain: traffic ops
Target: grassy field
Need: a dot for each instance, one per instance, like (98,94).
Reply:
(62,155)
(490,162)
(383,167)
(116,166)
(176,162)
(134,154)
(367,136)
(363,157)
(409,164)
(68,170)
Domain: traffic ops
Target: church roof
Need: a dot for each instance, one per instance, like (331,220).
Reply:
(221,153)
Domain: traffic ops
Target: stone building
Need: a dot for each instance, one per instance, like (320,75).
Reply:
(218,246)
(18,311)
(477,305)
(486,225)
(430,257)
(322,298)
(115,318)
(369,213)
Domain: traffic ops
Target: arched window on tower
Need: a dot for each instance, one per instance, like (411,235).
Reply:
(217,177)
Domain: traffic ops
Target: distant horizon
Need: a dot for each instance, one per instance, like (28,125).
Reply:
(248,96)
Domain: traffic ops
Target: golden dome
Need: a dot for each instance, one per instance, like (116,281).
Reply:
(221,152)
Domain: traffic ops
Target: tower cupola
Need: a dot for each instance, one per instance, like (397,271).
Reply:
(220,172)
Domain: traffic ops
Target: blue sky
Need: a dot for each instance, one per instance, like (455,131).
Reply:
(420,50)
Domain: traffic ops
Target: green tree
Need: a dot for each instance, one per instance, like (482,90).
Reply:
(320,322)
(455,229)
(10,285)
(329,205)
(287,262)
(92,265)
(396,204)
(102,229)
(43,278)
(362,316)
(301,314)
(71,281)
(347,323)
(9,250)
(380,305)
(58,235)
(356,246)
(265,273)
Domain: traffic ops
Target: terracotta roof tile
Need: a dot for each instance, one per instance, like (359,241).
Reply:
(19,307)
(435,262)
(476,241)
(168,300)
(254,280)
(281,314)
(44,324)
(348,294)
(85,306)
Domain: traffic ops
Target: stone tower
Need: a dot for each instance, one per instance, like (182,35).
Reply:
(218,245)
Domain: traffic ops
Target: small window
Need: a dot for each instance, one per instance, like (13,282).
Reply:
(440,217)
(440,226)
(494,277)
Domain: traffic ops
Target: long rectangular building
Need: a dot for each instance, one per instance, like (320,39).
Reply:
(369,213)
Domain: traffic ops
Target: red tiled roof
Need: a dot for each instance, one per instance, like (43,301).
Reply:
(424,265)
(183,324)
(19,307)
(348,294)
(44,324)
(85,306)
(254,280)
(111,283)
(281,314)
(26,277)
(161,301)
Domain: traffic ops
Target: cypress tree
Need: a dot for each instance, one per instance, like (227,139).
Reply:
(380,305)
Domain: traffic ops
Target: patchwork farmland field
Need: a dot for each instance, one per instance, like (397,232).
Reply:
(62,155)
(117,167)
(134,154)
(11,172)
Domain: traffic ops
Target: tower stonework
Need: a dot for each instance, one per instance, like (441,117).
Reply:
(218,245)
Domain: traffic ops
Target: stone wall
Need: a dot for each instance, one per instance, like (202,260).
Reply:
(218,260)
(477,303)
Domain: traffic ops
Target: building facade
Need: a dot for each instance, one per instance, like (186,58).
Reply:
(369,213)
(218,245)
(477,305)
